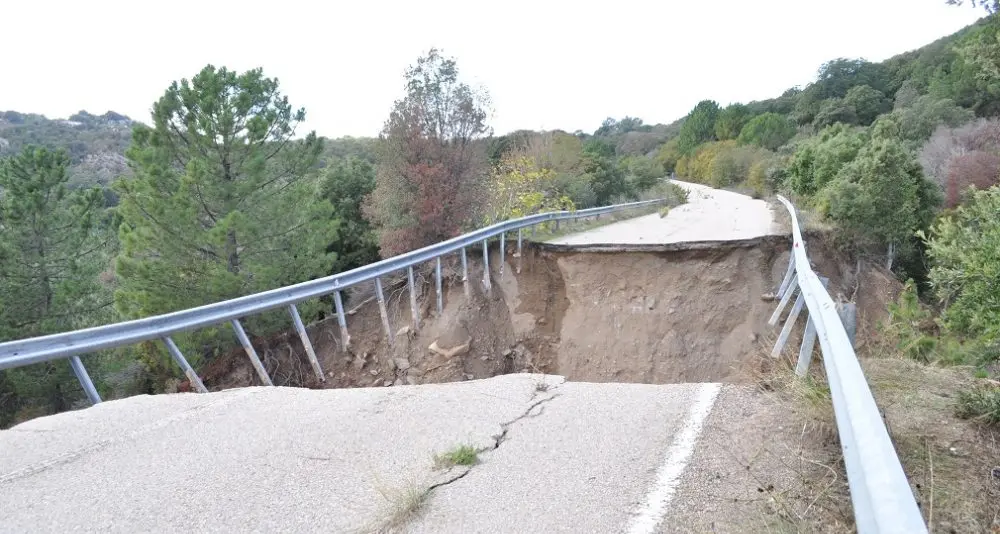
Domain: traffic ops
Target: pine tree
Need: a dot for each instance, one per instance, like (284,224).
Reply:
(53,248)
(224,201)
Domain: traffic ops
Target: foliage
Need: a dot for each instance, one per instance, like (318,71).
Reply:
(345,185)
(53,249)
(867,103)
(768,130)
(221,204)
(938,155)
(605,177)
(698,127)
(519,187)
(668,155)
(832,111)
(641,172)
(964,247)
(730,121)
(820,159)
(881,197)
(427,186)
(918,121)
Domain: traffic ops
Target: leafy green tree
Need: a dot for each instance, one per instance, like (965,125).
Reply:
(834,110)
(345,185)
(730,121)
(881,198)
(223,202)
(53,249)
(641,172)
(964,249)
(867,103)
(605,177)
(818,161)
(918,121)
(769,131)
(698,127)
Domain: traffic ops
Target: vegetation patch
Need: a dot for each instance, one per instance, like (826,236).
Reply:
(462,455)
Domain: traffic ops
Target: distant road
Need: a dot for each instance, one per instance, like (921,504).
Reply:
(710,215)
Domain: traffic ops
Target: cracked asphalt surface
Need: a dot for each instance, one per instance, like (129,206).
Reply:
(555,457)
(709,215)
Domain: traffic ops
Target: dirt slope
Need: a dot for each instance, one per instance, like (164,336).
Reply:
(661,316)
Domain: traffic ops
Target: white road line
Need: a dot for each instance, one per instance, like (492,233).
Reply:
(649,515)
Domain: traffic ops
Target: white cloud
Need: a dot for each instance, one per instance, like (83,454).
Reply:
(547,64)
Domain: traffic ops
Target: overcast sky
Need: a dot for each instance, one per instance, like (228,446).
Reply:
(547,64)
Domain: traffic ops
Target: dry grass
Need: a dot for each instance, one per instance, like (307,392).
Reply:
(402,505)
(950,462)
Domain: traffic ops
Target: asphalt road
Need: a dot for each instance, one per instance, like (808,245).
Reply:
(709,215)
(573,457)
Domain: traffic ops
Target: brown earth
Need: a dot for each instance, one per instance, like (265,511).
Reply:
(653,316)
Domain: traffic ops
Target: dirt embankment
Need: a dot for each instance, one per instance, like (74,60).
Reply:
(651,317)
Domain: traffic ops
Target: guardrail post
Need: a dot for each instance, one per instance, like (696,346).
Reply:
(81,374)
(789,325)
(787,296)
(178,357)
(413,298)
(518,251)
(248,347)
(383,311)
(465,274)
(848,312)
(808,341)
(503,255)
(306,344)
(486,267)
(437,285)
(788,276)
(345,337)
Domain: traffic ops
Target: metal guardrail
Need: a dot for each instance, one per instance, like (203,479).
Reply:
(881,496)
(76,343)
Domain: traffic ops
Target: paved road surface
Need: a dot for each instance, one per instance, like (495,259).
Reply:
(709,215)
(575,457)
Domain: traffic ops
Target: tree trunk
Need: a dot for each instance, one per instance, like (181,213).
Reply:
(890,255)
(232,254)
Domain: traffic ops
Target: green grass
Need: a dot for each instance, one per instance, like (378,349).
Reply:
(461,455)
(980,402)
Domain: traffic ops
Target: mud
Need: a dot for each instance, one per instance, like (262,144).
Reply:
(657,316)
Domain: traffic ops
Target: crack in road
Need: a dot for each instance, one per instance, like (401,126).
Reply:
(498,439)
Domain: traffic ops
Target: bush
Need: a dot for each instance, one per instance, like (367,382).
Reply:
(769,131)
(981,402)
(818,161)
(964,248)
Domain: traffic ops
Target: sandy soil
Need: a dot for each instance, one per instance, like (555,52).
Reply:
(709,215)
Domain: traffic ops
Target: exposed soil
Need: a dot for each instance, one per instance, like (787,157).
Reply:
(657,316)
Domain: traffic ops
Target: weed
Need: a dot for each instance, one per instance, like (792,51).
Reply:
(664,211)
(980,402)
(404,505)
(981,373)
(461,455)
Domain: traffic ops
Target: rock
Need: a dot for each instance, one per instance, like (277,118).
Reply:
(470,377)
(650,302)
(373,372)
(753,336)
(398,382)
(329,374)
(507,353)
(404,331)
(401,363)
(671,311)
(541,321)
(484,358)
(768,297)
(450,352)
(387,383)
